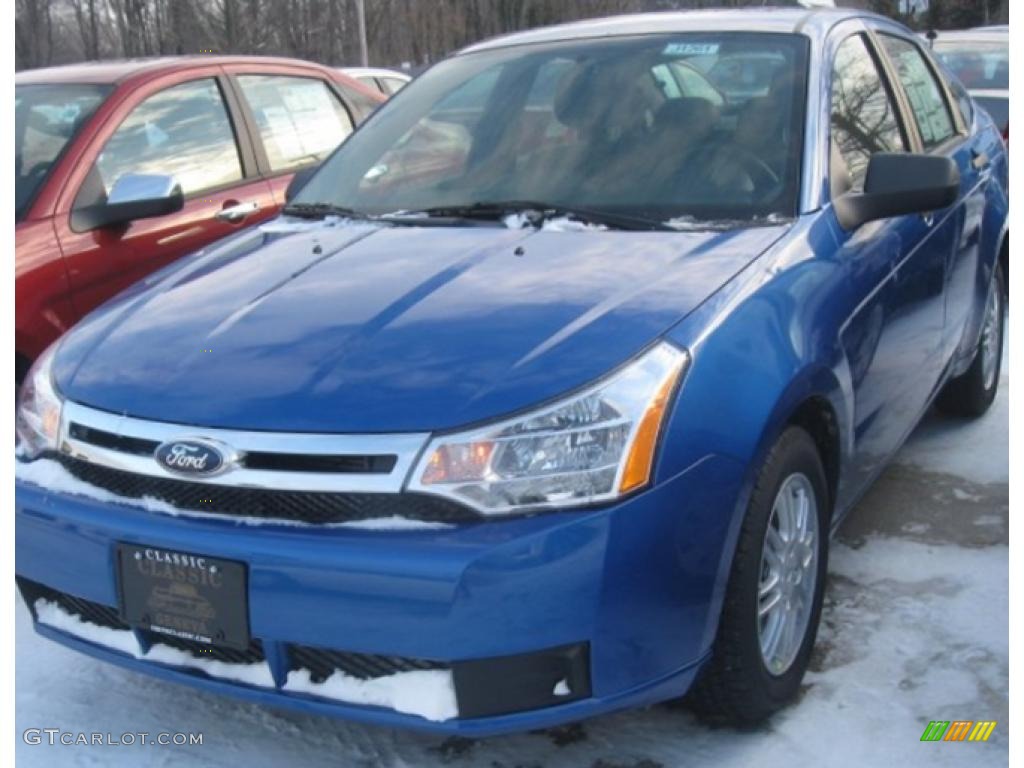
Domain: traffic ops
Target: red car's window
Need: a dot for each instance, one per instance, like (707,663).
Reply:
(184,132)
(46,117)
(300,120)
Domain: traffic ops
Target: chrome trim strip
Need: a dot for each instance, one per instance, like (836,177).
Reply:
(406,446)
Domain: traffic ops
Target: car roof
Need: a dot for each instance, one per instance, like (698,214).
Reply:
(117,70)
(374,72)
(813,21)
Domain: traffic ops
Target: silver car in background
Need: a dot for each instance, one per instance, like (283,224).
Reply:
(980,58)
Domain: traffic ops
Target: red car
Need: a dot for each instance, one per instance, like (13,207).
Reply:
(122,167)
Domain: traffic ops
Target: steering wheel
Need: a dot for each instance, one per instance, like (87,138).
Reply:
(761,175)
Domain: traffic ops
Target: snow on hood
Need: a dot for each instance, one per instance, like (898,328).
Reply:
(554,224)
(371,328)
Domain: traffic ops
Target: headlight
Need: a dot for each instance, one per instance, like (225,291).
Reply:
(594,446)
(38,419)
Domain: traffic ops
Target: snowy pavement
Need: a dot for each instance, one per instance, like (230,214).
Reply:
(915,629)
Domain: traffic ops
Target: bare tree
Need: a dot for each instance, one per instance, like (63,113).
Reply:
(33,33)
(415,31)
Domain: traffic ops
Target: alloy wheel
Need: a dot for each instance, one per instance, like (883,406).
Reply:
(789,568)
(991,340)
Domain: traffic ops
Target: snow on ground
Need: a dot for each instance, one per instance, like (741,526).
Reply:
(915,629)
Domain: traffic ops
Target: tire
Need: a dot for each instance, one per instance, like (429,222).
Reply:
(971,393)
(736,687)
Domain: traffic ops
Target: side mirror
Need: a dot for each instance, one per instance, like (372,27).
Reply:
(299,181)
(898,184)
(133,196)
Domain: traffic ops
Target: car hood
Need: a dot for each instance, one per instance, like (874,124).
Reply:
(335,327)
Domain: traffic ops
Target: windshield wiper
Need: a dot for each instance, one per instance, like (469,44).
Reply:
(320,211)
(541,212)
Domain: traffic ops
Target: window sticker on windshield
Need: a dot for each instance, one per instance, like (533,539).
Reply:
(690,49)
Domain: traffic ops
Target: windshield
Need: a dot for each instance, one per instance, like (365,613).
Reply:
(979,65)
(45,119)
(663,127)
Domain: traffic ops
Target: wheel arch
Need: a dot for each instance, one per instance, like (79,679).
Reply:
(1004,260)
(815,401)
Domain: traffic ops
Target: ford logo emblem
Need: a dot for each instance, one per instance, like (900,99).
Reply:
(191,457)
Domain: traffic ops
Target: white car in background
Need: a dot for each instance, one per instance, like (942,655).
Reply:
(387,81)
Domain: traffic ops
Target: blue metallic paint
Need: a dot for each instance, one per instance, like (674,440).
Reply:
(446,594)
(408,329)
(402,329)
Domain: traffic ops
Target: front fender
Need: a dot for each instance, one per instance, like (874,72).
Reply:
(761,347)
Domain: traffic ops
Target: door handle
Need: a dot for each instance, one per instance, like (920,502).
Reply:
(979,160)
(235,213)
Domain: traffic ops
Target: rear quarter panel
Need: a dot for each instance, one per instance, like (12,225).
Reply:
(994,228)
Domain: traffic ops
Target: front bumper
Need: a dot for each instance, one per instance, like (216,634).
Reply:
(636,585)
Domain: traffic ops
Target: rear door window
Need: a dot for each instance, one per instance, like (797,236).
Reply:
(931,113)
(300,119)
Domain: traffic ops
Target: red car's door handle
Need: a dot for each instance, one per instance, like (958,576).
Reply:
(234,213)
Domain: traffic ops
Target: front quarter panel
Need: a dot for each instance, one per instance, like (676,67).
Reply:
(43,309)
(765,341)
(761,346)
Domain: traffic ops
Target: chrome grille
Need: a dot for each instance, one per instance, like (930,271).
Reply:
(287,461)
(280,462)
(291,477)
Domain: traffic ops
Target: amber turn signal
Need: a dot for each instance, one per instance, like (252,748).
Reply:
(640,461)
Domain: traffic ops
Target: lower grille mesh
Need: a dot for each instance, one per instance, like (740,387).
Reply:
(252,655)
(94,613)
(322,663)
(105,616)
(316,508)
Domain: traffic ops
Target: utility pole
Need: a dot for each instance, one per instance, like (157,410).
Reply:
(364,56)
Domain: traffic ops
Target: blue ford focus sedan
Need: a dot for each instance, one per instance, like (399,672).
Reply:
(545,393)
